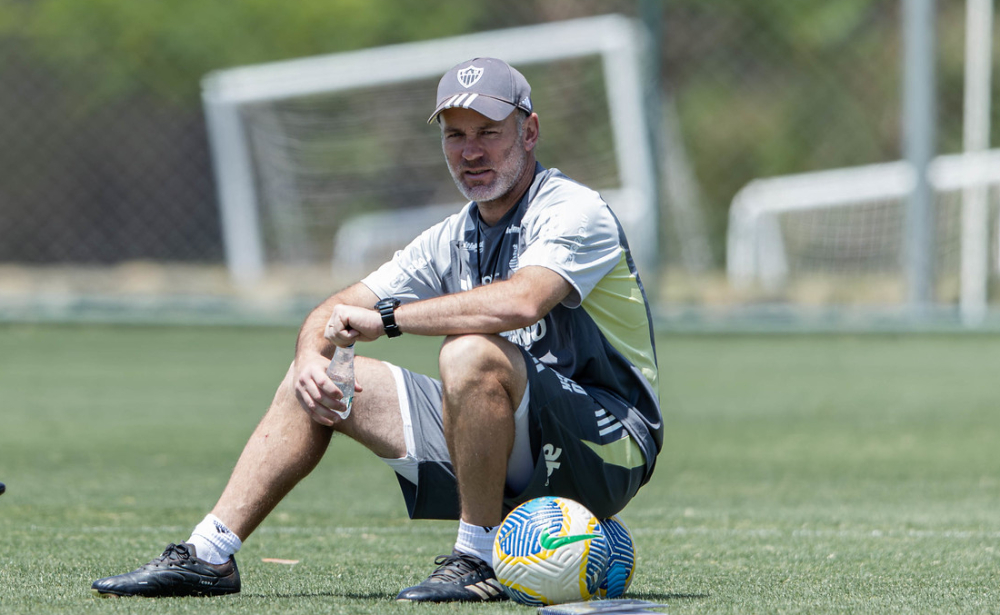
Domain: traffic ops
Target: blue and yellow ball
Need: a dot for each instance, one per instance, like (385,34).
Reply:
(551,550)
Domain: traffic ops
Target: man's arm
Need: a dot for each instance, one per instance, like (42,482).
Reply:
(520,301)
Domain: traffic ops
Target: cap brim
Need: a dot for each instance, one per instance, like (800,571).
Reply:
(493,108)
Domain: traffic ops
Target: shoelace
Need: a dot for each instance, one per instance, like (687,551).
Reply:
(175,553)
(453,567)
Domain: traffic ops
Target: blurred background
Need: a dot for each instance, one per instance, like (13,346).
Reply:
(111,181)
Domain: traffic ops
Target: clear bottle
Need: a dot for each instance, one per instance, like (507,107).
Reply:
(341,371)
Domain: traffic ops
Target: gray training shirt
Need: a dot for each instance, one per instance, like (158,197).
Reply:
(599,338)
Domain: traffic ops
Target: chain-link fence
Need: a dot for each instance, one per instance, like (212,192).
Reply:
(106,182)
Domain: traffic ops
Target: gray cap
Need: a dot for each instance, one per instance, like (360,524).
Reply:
(486,85)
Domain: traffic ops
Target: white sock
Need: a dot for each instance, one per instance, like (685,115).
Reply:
(213,541)
(476,540)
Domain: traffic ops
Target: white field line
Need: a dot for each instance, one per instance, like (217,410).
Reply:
(439,530)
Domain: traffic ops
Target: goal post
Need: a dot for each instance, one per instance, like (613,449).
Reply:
(267,195)
(848,224)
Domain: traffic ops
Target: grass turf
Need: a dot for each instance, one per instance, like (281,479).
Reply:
(799,474)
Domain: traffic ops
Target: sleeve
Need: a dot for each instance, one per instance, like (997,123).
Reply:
(574,234)
(417,271)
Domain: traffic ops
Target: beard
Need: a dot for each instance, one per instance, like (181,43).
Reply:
(507,173)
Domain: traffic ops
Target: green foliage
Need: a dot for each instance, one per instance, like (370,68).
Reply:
(770,88)
(116,49)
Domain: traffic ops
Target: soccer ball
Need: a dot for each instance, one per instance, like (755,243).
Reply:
(621,564)
(550,550)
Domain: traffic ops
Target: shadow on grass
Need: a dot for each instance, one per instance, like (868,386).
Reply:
(658,597)
(651,596)
(327,594)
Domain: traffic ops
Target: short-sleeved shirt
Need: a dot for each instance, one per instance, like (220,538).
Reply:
(600,336)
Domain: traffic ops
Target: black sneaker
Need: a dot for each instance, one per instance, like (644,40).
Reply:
(459,578)
(178,572)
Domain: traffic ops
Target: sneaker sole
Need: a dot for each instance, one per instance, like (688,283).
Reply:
(100,594)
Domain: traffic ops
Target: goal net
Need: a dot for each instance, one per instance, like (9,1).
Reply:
(838,237)
(328,161)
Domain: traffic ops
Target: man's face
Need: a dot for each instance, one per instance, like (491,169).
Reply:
(485,157)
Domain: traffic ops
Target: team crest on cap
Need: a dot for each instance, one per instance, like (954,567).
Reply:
(469,76)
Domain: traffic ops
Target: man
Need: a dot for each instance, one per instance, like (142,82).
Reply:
(548,368)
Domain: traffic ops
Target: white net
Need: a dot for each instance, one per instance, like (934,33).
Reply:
(348,177)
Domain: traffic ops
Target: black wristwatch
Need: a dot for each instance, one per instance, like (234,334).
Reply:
(387,308)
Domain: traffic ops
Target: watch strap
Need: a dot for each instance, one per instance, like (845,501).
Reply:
(387,309)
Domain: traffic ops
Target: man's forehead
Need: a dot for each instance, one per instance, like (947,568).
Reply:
(467,118)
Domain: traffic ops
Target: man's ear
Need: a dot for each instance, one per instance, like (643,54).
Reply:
(531,132)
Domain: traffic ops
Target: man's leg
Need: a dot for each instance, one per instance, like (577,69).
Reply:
(287,445)
(284,449)
(483,381)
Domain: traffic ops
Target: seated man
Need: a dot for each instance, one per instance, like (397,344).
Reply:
(548,369)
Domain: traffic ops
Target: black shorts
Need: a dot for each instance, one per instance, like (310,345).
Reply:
(580,450)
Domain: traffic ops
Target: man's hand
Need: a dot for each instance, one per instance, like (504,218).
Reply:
(316,393)
(349,323)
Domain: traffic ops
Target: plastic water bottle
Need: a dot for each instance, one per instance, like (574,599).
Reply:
(341,371)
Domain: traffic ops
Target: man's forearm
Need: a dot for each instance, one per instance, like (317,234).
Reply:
(311,339)
(511,304)
(464,312)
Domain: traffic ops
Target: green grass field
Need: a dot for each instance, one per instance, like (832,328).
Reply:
(800,474)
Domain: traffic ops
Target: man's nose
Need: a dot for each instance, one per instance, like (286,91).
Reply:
(472,150)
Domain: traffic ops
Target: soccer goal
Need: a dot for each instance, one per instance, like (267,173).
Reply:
(838,236)
(329,159)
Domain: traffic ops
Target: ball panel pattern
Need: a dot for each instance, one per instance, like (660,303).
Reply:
(621,563)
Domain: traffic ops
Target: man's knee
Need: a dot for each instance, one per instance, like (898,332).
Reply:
(472,356)
(476,360)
